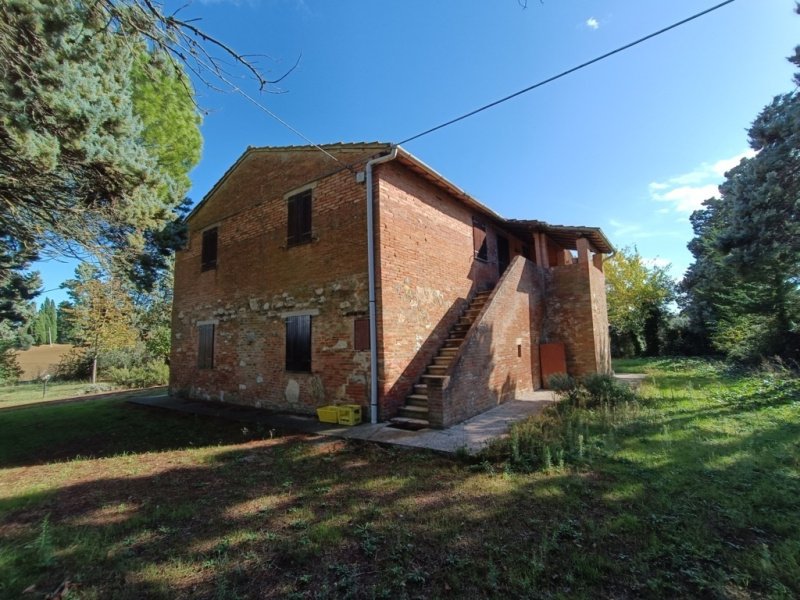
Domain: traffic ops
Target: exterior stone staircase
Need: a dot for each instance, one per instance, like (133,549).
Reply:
(414,414)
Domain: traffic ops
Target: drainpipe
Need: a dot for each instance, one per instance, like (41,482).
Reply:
(373,320)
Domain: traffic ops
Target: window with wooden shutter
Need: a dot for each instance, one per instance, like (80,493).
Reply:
(298,343)
(361,334)
(205,347)
(479,240)
(299,209)
(208,254)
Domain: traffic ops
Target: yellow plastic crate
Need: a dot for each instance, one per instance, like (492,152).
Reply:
(328,414)
(349,414)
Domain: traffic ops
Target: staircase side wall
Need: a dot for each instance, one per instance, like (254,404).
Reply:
(427,271)
(500,356)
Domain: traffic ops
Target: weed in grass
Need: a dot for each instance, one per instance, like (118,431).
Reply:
(368,537)
(43,544)
(547,460)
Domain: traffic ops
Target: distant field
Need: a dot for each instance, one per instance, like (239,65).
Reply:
(40,359)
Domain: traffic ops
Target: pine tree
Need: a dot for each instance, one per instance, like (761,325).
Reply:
(96,138)
(743,290)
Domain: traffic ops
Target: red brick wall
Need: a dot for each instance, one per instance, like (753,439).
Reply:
(258,280)
(426,272)
(576,315)
(500,356)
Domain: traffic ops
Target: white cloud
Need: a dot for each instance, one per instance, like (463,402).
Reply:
(592,23)
(637,231)
(686,192)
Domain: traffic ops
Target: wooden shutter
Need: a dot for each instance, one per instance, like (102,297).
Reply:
(205,348)
(208,258)
(479,240)
(299,218)
(361,334)
(298,343)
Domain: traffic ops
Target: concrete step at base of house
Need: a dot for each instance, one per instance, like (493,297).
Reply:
(409,423)
(413,412)
(417,400)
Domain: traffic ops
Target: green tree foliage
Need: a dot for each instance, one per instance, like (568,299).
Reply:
(17,288)
(743,289)
(44,327)
(102,313)
(637,295)
(153,312)
(65,327)
(97,126)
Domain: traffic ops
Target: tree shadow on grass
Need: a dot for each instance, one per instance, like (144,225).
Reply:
(64,432)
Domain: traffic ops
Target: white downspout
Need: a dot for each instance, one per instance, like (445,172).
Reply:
(373,320)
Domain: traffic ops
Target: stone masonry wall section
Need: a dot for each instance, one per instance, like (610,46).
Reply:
(500,355)
(259,281)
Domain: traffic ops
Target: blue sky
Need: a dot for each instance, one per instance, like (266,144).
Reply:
(632,144)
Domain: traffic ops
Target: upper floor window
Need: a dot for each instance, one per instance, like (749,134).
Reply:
(479,240)
(299,231)
(208,254)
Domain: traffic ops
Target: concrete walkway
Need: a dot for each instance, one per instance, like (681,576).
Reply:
(470,436)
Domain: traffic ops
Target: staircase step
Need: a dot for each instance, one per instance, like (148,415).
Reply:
(437,369)
(430,376)
(421,388)
(448,351)
(413,412)
(442,360)
(409,423)
(417,400)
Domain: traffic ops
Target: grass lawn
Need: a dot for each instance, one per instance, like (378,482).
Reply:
(35,393)
(693,491)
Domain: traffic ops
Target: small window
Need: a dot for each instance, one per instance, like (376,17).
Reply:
(299,209)
(361,334)
(205,348)
(298,343)
(479,240)
(208,257)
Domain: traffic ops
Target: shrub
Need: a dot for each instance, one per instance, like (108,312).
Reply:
(570,430)
(605,389)
(74,365)
(561,382)
(9,367)
(148,375)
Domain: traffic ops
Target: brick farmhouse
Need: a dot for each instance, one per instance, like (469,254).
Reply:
(285,263)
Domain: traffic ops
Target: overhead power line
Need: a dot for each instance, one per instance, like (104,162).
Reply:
(567,72)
